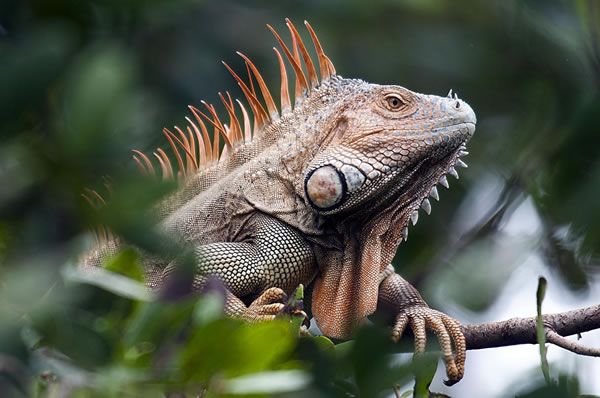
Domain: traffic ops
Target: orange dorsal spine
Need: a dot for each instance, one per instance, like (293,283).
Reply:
(197,147)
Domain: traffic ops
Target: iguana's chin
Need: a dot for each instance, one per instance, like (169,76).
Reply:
(428,177)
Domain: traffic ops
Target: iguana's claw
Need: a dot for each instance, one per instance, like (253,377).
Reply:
(304,331)
(447,330)
(267,305)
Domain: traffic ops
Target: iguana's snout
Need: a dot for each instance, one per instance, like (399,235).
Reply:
(465,112)
(442,123)
(460,108)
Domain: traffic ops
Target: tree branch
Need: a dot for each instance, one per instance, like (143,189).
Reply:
(557,339)
(523,330)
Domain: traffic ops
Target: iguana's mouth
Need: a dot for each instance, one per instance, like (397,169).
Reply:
(439,174)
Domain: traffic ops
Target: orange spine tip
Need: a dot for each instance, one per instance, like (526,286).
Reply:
(146,161)
(169,134)
(201,141)
(201,148)
(301,83)
(325,65)
(260,115)
(192,142)
(251,81)
(330,67)
(185,145)
(240,133)
(216,122)
(299,90)
(310,67)
(286,105)
(163,167)
(168,168)
(263,88)
(247,128)
(236,131)
(216,144)
(89,200)
(96,195)
(207,144)
(219,126)
(140,165)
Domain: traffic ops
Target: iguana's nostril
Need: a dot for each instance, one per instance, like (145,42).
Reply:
(457,105)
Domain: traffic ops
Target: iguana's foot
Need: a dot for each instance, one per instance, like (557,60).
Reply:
(447,330)
(270,303)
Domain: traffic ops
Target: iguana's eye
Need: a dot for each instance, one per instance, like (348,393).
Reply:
(394,102)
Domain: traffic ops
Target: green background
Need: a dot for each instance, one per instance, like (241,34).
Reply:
(84,82)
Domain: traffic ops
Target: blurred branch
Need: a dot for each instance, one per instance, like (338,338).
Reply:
(487,225)
(523,330)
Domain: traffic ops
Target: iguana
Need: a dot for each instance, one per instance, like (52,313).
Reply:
(322,192)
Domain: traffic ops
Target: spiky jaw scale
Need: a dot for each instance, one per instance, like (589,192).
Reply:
(438,176)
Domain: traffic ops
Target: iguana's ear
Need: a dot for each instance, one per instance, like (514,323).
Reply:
(335,133)
(325,187)
(340,128)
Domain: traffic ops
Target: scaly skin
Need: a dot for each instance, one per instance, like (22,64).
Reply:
(322,194)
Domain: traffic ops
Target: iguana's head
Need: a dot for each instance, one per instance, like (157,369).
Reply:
(387,144)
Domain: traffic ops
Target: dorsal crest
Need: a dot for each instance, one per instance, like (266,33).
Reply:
(192,146)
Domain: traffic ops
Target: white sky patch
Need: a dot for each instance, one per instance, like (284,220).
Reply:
(497,372)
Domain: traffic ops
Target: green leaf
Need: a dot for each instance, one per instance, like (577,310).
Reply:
(208,308)
(157,321)
(236,348)
(299,294)
(424,367)
(107,280)
(126,263)
(407,394)
(325,344)
(372,363)
(541,333)
(292,312)
(345,348)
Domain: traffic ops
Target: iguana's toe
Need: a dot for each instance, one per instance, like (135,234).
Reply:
(269,309)
(460,346)
(270,296)
(447,330)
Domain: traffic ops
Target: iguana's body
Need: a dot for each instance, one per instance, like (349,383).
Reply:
(324,193)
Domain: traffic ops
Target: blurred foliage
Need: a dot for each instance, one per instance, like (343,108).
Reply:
(82,82)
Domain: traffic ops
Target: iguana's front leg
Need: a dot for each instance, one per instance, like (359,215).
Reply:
(410,309)
(271,261)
